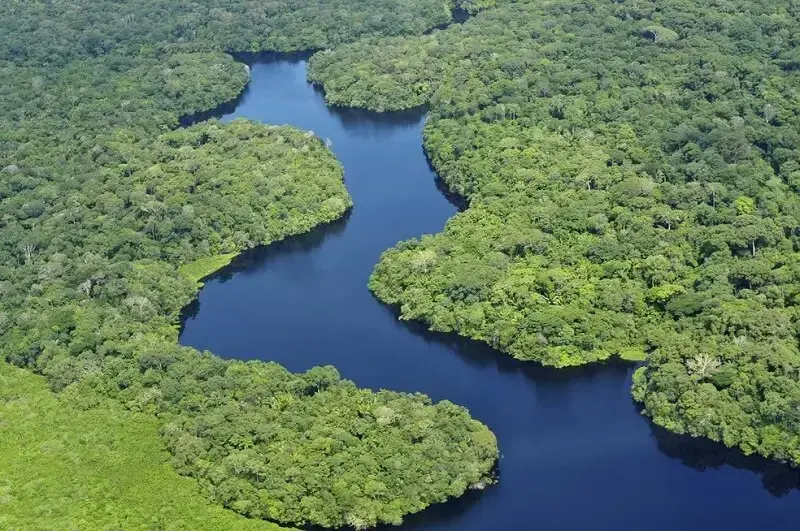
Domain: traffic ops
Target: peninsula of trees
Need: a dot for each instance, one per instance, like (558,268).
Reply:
(632,170)
(109,216)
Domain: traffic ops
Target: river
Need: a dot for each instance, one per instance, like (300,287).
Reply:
(576,454)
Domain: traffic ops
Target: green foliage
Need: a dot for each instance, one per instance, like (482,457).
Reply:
(202,267)
(41,31)
(311,447)
(63,467)
(109,217)
(660,34)
(632,173)
(404,77)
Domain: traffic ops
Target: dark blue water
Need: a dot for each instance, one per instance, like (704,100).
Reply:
(576,455)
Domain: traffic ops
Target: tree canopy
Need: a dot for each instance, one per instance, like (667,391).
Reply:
(54,33)
(110,215)
(632,171)
(65,466)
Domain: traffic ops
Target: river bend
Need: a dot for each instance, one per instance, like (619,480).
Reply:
(576,455)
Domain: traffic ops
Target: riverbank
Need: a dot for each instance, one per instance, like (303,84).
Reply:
(564,434)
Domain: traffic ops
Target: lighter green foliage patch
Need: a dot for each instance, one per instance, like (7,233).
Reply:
(105,468)
(197,270)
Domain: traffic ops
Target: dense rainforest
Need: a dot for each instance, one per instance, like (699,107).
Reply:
(110,215)
(632,170)
(106,452)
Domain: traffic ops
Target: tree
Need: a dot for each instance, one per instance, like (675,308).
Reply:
(703,366)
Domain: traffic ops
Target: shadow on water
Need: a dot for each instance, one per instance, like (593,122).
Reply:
(703,454)
(355,120)
(700,454)
(352,119)
(481,355)
(251,58)
(563,432)
(440,513)
(217,112)
(457,200)
(253,260)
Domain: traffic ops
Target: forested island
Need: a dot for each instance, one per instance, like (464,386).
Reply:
(111,216)
(632,171)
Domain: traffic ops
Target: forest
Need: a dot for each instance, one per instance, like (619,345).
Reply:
(110,216)
(107,453)
(632,170)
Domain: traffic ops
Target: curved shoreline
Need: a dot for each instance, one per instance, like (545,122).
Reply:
(317,232)
(310,248)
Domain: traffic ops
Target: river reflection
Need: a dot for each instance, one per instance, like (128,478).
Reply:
(702,454)
(576,455)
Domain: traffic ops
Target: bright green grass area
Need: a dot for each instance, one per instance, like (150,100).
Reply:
(633,354)
(104,468)
(202,267)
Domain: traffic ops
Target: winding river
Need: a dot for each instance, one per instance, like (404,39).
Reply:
(576,455)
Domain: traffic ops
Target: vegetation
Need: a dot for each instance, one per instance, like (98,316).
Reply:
(312,447)
(109,217)
(65,467)
(633,171)
(44,32)
(203,267)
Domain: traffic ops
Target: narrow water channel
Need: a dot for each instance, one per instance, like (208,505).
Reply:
(576,455)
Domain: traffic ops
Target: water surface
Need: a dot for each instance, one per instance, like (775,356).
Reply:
(576,454)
